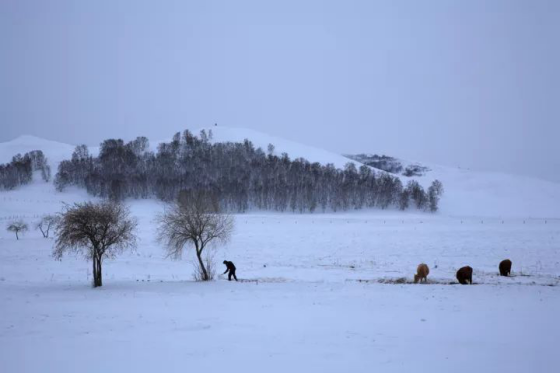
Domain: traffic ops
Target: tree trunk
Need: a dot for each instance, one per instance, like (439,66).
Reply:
(201,263)
(97,278)
(94,270)
(99,273)
(17,237)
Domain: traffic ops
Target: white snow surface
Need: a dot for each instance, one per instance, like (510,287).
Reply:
(493,194)
(293,149)
(318,292)
(315,295)
(55,152)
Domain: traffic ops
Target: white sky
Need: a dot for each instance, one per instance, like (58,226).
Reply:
(469,83)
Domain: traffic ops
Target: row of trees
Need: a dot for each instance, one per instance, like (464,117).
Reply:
(103,230)
(390,164)
(383,162)
(238,175)
(20,170)
(45,225)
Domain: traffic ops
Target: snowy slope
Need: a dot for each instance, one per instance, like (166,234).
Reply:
(492,194)
(54,151)
(467,192)
(261,140)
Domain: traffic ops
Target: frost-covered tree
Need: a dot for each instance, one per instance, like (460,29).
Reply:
(20,170)
(404,199)
(417,194)
(46,223)
(194,219)
(16,173)
(270,149)
(139,146)
(240,176)
(17,227)
(96,230)
(203,136)
(434,193)
(76,171)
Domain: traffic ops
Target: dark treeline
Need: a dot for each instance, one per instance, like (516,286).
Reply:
(239,175)
(20,170)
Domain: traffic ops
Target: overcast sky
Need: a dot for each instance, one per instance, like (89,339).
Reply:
(463,83)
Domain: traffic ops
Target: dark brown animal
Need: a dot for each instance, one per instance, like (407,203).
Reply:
(464,275)
(505,268)
(421,273)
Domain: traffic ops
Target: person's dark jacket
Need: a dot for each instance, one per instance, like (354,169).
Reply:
(230,266)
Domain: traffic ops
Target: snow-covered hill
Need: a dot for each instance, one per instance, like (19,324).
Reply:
(467,192)
(54,151)
(478,193)
(293,149)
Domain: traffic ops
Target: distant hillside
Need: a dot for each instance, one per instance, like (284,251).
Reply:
(238,176)
(390,164)
(262,140)
(54,151)
(467,192)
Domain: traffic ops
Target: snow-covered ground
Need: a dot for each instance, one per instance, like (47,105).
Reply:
(320,292)
(313,298)
(272,327)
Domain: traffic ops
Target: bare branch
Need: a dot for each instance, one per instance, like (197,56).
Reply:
(193,220)
(46,223)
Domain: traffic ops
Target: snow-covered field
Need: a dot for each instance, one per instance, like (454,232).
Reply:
(320,292)
(304,307)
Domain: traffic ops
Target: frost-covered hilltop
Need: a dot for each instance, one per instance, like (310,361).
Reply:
(54,151)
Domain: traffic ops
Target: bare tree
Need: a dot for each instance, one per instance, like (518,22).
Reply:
(17,227)
(97,230)
(270,149)
(47,222)
(194,219)
(434,193)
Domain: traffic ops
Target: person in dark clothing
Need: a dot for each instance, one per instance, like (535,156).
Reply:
(231,268)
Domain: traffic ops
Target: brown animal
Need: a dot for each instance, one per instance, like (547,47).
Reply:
(505,268)
(421,273)
(464,275)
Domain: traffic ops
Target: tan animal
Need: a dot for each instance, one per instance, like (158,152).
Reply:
(422,273)
(464,275)
(505,268)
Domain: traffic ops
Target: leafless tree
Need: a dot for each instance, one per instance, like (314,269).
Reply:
(46,223)
(97,230)
(194,219)
(17,227)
